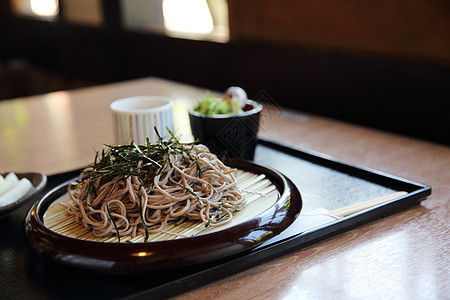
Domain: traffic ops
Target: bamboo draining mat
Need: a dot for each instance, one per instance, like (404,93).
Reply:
(259,192)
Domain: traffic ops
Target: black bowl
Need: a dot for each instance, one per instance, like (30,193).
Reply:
(228,135)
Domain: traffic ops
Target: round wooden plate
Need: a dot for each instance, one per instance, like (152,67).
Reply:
(130,257)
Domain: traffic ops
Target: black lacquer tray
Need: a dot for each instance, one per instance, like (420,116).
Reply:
(325,183)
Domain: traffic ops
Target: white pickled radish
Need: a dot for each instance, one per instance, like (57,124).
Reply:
(9,183)
(20,190)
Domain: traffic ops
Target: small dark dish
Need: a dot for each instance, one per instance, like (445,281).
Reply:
(38,180)
(228,135)
(170,254)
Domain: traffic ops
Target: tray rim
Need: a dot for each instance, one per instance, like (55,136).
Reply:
(267,251)
(370,174)
(207,274)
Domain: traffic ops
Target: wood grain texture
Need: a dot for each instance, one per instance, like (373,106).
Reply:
(403,256)
(408,28)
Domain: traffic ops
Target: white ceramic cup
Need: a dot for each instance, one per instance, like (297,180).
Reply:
(135,119)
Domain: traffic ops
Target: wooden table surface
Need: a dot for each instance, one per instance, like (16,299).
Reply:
(403,256)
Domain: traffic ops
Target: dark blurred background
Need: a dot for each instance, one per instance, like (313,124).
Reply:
(383,64)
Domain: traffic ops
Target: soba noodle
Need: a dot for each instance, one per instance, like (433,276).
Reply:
(192,184)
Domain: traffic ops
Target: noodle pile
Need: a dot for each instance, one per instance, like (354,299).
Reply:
(164,183)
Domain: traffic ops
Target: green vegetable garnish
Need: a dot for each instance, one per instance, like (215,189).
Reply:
(210,105)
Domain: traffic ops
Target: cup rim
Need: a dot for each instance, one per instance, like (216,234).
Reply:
(257,107)
(117,105)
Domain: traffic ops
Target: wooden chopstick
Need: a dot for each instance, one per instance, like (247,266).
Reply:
(355,208)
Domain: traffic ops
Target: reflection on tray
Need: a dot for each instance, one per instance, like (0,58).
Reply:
(321,217)
(321,186)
